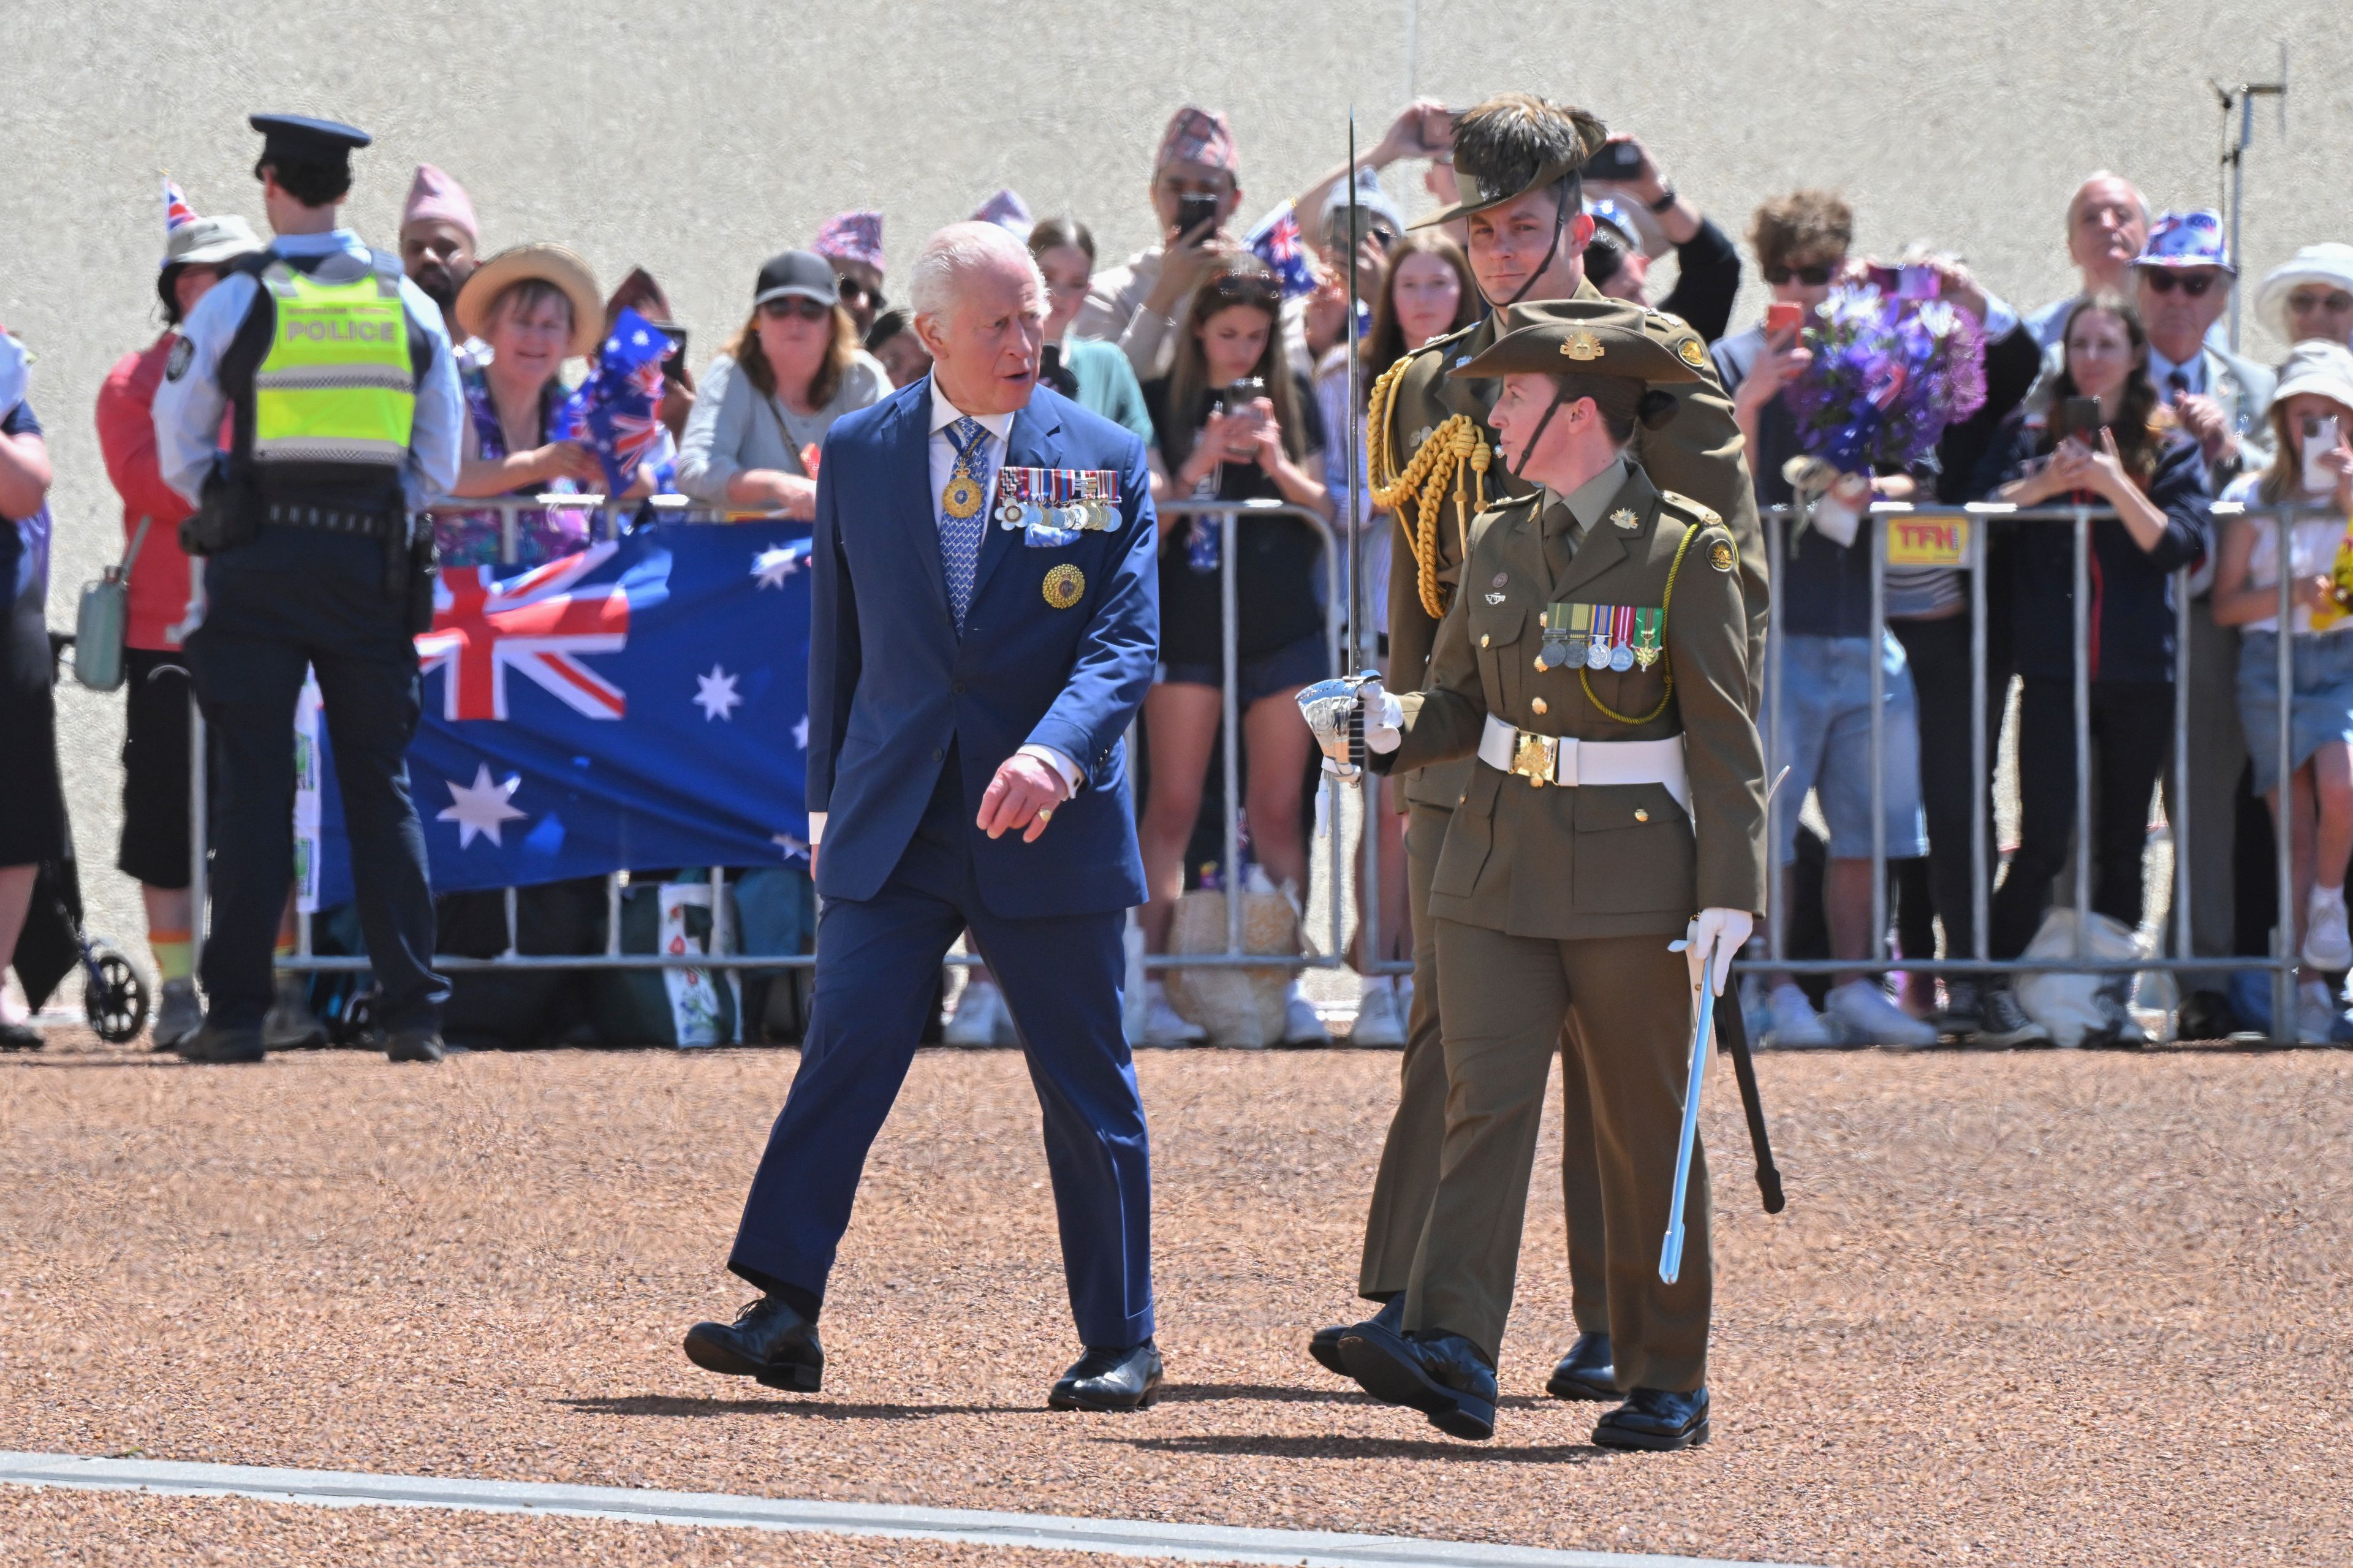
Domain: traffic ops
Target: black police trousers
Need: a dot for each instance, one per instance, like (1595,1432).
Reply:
(295,597)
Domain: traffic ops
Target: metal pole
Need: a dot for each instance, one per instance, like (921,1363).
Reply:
(2083,736)
(612,914)
(1230,694)
(1876,527)
(1980,776)
(2238,201)
(2181,824)
(1776,528)
(513,926)
(2283,942)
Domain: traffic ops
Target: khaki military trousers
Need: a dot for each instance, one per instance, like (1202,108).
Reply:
(1626,1000)
(1407,1179)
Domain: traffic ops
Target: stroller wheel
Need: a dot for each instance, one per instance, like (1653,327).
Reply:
(115,997)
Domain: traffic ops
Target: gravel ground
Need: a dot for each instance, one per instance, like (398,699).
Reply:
(2025,1307)
(110,1529)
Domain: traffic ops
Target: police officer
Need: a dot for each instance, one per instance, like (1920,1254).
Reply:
(1517,161)
(336,374)
(1593,671)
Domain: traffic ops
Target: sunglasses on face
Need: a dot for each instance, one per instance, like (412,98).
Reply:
(853,293)
(2306,303)
(796,307)
(2193,284)
(1813,277)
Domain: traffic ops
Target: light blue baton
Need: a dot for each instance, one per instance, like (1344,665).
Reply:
(1670,1256)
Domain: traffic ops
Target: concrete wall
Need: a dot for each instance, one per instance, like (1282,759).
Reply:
(699,136)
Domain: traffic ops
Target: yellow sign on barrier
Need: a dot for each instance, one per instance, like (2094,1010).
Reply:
(1927,540)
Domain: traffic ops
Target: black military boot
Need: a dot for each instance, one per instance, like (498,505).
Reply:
(769,1341)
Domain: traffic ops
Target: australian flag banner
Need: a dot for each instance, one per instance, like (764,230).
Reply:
(1276,241)
(618,407)
(643,704)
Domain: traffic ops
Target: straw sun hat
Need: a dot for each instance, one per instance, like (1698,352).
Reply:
(550,263)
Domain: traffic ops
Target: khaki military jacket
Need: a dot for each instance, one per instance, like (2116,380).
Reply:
(1557,862)
(1698,454)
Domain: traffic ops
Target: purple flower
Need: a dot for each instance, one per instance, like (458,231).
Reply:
(1888,376)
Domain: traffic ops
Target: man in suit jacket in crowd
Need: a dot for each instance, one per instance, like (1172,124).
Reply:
(986,623)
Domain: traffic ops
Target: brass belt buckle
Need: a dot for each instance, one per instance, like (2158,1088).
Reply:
(1537,758)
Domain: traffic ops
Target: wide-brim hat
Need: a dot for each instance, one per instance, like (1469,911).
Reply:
(2328,263)
(1475,194)
(1581,337)
(2317,366)
(550,263)
(209,241)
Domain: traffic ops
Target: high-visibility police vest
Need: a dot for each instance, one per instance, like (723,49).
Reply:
(336,384)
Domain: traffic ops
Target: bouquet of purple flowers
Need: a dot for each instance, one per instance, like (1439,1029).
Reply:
(1889,373)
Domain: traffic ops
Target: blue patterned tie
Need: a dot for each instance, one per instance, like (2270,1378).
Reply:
(960,536)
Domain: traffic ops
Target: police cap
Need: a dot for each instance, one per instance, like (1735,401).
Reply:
(300,139)
(1580,337)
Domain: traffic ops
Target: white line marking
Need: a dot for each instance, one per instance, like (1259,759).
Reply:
(1118,1537)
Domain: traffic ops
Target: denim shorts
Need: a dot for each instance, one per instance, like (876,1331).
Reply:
(1825,742)
(1294,665)
(2321,709)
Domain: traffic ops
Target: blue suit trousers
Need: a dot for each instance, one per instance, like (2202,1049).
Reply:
(1061,978)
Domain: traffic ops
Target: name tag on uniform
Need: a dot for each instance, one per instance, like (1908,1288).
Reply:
(1053,507)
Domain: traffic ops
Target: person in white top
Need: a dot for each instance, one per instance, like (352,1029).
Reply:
(2312,430)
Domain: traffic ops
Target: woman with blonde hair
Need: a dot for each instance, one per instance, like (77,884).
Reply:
(2312,444)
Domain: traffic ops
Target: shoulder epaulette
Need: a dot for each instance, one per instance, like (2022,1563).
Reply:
(1706,517)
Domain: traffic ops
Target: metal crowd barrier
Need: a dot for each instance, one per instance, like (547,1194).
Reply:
(677,508)
(1970,559)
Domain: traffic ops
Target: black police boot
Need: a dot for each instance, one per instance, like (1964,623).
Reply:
(215,1044)
(769,1342)
(1656,1420)
(1442,1375)
(1324,1343)
(1584,1373)
(1109,1380)
(414,1045)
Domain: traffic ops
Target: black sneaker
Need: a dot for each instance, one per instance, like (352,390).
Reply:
(2002,1022)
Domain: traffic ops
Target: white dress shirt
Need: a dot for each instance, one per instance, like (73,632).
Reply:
(986,459)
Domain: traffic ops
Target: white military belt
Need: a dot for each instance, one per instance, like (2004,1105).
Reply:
(1565,759)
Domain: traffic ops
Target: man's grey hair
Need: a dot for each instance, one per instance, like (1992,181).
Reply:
(959,249)
(2101,176)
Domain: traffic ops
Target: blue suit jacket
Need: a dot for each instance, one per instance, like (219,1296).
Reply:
(892,685)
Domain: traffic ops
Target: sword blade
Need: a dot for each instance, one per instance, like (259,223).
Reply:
(1670,1254)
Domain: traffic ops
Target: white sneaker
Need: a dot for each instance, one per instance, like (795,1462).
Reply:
(1796,1024)
(1301,1026)
(1378,1023)
(1868,1014)
(1163,1026)
(979,1017)
(2316,1010)
(2326,943)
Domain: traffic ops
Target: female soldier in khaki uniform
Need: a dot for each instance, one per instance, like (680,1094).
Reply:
(1595,661)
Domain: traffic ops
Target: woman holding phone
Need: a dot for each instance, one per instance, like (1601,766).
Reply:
(2112,447)
(1233,423)
(2312,444)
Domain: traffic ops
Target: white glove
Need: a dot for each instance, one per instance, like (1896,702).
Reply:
(1712,940)
(1383,715)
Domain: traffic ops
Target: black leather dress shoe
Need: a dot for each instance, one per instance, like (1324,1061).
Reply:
(1584,1372)
(1110,1380)
(1441,1375)
(1656,1420)
(211,1043)
(769,1341)
(1324,1345)
(415,1045)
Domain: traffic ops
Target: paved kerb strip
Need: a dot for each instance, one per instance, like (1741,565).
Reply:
(1116,1537)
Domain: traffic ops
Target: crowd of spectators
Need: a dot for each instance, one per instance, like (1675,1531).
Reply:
(1229,356)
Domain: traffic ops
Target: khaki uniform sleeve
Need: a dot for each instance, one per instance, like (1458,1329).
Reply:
(1444,720)
(1707,642)
(1699,453)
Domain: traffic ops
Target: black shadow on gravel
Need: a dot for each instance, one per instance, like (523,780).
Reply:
(669,1405)
(1212,1393)
(1262,1446)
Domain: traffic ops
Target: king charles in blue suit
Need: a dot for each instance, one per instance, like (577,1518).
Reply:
(987,619)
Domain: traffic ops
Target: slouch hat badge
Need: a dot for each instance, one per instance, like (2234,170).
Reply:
(1582,346)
